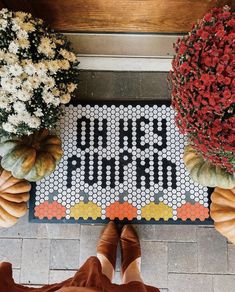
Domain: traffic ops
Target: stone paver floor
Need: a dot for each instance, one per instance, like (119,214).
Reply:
(175,258)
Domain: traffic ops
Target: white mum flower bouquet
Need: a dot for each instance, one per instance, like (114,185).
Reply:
(38,73)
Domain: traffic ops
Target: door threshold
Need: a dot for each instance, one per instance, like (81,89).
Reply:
(124,63)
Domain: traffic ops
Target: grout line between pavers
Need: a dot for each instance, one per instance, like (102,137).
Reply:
(167,259)
(212,284)
(49,274)
(63,269)
(62,239)
(200,273)
(227,257)
(79,257)
(21,251)
(197,250)
(166,241)
(49,259)
(40,238)
(21,260)
(79,242)
(206,226)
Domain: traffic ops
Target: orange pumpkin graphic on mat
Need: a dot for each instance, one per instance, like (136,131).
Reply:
(121,211)
(193,212)
(50,210)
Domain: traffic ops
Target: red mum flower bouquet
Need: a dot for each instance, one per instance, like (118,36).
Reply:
(203,89)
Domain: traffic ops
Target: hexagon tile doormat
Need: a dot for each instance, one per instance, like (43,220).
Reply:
(122,161)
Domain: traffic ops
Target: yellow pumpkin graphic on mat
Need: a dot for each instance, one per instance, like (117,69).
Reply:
(156,211)
(85,211)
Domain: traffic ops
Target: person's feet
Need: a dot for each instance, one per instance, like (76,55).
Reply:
(107,249)
(131,255)
(130,251)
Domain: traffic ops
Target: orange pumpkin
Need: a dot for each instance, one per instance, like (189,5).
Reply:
(222,211)
(14,195)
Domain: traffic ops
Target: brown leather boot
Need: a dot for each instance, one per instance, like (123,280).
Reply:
(108,243)
(130,246)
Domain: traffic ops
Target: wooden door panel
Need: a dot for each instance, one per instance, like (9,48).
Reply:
(164,16)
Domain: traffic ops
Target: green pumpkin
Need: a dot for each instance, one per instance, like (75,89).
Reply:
(204,172)
(31,157)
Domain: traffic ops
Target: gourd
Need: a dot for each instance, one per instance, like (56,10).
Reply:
(222,211)
(14,195)
(31,157)
(204,172)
